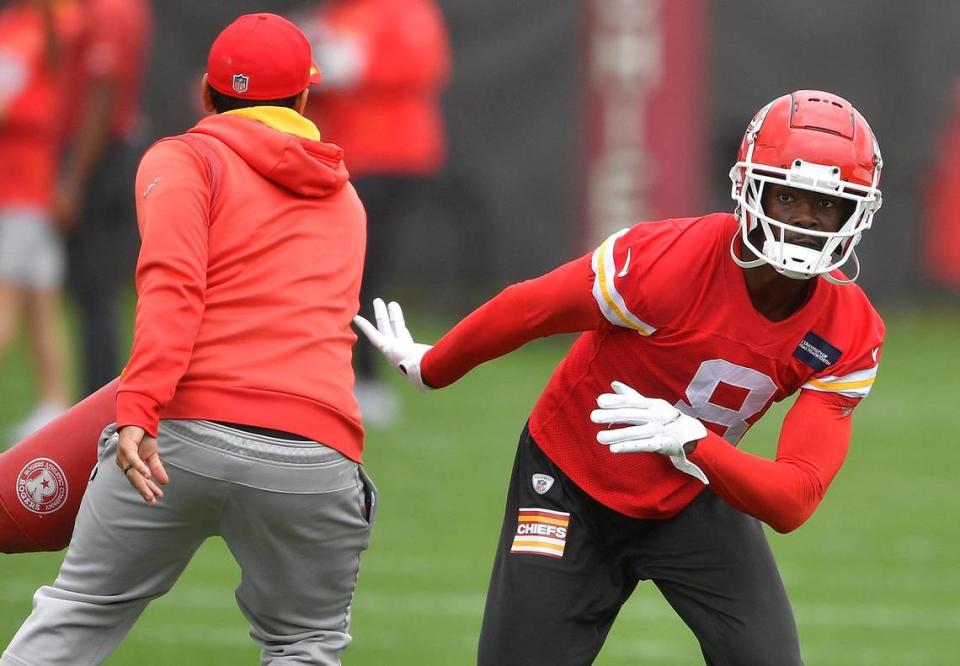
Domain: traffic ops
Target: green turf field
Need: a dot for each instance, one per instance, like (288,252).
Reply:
(873,575)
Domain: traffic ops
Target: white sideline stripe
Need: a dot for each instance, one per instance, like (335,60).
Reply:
(854,655)
(166,632)
(862,615)
(471,604)
(169,633)
(868,655)
(172,633)
(920,566)
(205,596)
(640,648)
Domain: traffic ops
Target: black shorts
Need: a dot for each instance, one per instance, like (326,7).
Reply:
(566,564)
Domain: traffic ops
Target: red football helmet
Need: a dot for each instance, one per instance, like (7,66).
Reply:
(815,141)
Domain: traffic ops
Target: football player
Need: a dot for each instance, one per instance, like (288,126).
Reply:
(628,468)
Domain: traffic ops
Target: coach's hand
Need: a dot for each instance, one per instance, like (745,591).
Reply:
(139,460)
(654,426)
(391,337)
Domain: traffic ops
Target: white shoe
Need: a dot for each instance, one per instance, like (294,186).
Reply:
(379,406)
(42,414)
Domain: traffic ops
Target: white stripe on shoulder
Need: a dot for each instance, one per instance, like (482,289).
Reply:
(605,291)
(854,385)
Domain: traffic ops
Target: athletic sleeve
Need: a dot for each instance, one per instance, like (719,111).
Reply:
(173,202)
(558,302)
(784,492)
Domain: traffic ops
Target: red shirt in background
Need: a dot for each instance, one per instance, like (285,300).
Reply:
(113,44)
(30,103)
(384,66)
(942,240)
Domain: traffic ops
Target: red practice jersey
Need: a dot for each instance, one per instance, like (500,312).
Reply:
(683,329)
(112,46)
(667,311)
(30,102)
(385,64)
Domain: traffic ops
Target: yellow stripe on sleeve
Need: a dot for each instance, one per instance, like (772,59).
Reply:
(602,277)
(610,301)
(841,386)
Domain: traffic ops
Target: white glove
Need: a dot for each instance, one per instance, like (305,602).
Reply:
(656,426)
(392,338)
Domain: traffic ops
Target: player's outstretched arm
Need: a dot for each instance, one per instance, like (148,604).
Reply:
(559,302)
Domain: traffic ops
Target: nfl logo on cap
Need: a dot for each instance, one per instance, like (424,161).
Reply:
(240,83)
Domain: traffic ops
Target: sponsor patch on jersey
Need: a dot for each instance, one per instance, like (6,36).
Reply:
(542,483)
(816,352)
(541,532)
(42,486)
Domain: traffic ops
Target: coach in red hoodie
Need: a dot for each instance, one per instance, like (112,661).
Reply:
(235,415)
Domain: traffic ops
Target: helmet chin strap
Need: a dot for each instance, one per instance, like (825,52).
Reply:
(743,263)
(848,281)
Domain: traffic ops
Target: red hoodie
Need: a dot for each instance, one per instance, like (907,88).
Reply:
(247,281)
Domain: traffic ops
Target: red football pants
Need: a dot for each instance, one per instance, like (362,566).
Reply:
(43,478)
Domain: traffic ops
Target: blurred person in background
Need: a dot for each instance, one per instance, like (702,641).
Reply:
(35,37)
(94,205)
(942,199)
(385,64)
(698,325)
(238,389)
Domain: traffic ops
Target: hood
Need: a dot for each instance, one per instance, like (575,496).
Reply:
(282,146)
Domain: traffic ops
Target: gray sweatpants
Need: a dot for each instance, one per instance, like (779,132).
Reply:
(295,515)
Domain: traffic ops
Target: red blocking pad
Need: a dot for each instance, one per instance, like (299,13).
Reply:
(43,477)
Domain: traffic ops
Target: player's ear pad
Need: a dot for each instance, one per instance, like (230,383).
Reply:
(43,477)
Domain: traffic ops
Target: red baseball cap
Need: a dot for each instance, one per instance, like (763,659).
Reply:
(261,56)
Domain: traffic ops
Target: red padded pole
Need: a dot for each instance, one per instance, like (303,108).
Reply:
(43,477)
